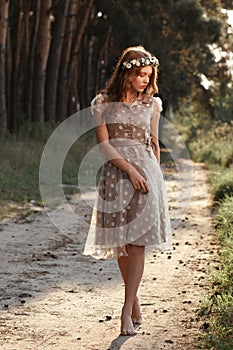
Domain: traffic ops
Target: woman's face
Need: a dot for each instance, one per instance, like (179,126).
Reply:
(140,83)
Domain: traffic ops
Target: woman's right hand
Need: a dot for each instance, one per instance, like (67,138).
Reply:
(138,181)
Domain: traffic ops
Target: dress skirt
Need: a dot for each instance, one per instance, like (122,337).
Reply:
(122,215)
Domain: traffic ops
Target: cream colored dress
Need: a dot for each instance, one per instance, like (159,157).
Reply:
(122,215)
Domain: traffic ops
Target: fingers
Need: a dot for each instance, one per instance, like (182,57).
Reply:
(144,187)
(141,185)
(138,181)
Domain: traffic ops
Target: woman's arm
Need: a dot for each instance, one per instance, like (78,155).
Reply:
(115,158)
(108,150)
(154,131)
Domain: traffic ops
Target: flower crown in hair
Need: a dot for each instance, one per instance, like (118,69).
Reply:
(141,62)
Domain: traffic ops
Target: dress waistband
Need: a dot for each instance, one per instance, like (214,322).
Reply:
(126,142)
(122,142)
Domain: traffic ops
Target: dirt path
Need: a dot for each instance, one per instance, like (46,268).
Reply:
(54,298)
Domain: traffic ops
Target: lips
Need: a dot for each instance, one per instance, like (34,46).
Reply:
(143,86)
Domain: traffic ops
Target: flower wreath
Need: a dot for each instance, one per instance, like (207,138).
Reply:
(141,62)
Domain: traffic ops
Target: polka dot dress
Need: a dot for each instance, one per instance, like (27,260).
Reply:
(122,215)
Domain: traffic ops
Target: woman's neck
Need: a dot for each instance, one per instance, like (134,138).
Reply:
(130,96)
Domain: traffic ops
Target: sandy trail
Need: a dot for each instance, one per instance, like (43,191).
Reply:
(52,297)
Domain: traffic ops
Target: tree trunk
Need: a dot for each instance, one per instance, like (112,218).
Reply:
(8,80)
(100,78)
(4,10)
(73,76)
(30,30)
(89,69)
(15,79)
(54,61)
(41,57)
(62,91)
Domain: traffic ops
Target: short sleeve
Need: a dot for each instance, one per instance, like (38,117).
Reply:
(155,118)
(157,108)
(97,108)
(158,104)
(97,104)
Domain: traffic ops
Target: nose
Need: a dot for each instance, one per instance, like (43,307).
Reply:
(146,79)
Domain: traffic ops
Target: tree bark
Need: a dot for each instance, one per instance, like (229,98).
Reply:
(33,34)
(54,61)
(29,14)
(15,79)
(62,91)
(4,10)
(41,57)
(8,80)
(74,78)
(100,78)
(89,68)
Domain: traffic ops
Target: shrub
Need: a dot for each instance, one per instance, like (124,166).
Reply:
(214,145)
(222,183)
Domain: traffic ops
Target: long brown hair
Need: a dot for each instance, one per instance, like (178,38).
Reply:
(120,80)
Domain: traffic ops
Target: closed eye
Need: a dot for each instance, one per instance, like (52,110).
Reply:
(143,75)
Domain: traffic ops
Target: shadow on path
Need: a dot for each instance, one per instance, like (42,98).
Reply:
(117,343)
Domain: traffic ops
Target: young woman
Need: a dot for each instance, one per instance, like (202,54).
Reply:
(131,210)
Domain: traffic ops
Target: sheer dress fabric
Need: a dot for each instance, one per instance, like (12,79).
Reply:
(122,215)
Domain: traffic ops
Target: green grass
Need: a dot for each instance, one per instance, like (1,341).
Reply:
(221,181)
(19,170)
(213,145)
(208,141)
(19,167)
(217,309)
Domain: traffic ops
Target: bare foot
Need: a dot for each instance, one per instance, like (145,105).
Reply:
(127,327)
(136,313)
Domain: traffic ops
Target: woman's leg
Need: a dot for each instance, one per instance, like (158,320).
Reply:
(134,271)
(136,313)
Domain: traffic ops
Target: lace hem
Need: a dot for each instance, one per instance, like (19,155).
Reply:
(106,253)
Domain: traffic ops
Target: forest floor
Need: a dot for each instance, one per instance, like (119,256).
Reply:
(52,297)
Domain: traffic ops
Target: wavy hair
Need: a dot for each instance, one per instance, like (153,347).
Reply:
(120,80)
